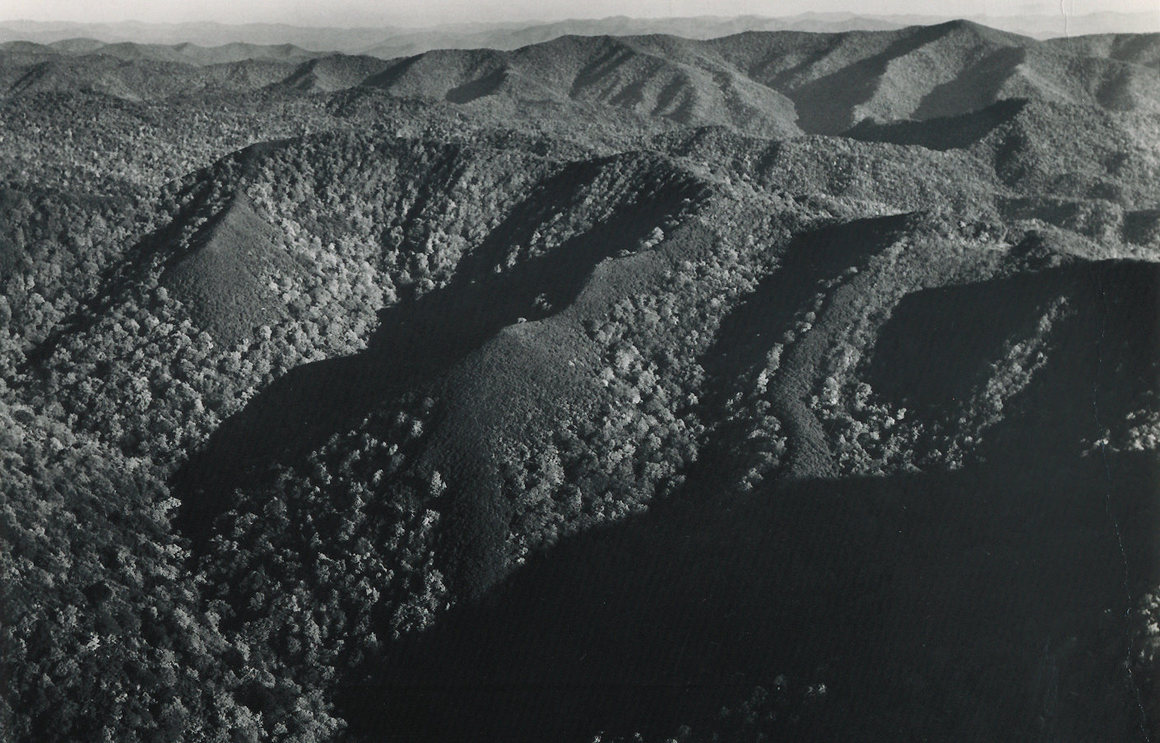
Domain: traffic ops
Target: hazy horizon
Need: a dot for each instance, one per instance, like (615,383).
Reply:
(420,14)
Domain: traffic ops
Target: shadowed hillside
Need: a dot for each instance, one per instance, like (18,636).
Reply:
(946,133)
(937,619)
(1141,49)
(422,339)
(937,601)
(332,73)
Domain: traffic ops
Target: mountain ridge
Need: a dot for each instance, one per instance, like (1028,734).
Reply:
(399,41)
(828,84)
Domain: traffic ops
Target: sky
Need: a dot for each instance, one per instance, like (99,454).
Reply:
(433,12)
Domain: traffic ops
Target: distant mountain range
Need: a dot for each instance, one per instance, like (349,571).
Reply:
(387,42)
(761,83)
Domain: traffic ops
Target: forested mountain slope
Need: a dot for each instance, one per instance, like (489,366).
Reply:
(796,385)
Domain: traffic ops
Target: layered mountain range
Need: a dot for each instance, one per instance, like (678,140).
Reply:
(782,385)
(395,40)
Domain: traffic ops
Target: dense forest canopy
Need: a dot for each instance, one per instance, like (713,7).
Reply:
(782,386)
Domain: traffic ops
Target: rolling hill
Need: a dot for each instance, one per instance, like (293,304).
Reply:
(184,52)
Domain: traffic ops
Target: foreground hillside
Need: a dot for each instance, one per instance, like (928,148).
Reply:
(791,386)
